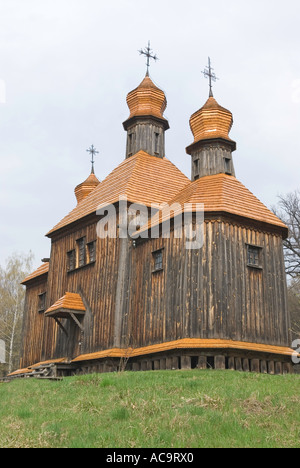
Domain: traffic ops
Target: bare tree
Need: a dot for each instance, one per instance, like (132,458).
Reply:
(289,213)
(12,295)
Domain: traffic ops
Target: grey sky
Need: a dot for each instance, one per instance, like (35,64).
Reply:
(66,67)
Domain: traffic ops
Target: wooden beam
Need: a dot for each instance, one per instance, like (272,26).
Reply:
(76,321)
(61,325)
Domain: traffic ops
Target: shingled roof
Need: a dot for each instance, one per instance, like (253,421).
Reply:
(225,193)
(70,302)
(141,179)
(220,193)
(42,270)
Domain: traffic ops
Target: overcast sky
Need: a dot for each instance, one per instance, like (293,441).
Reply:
(66,67)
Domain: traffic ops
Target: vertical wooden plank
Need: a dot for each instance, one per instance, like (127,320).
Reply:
(245,362)
(263,367)
(202,362)
(278,368)
(255,367)
(231,363)
(185,362)
(220,362)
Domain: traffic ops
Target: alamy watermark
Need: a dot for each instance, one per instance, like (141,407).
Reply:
(296,353)
(2,352)
(136,220)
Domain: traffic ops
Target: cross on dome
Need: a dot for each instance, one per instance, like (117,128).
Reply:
(148,53)
(209,73)
(92,150)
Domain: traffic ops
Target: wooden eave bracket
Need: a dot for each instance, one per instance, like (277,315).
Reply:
(76,321)
(73,316)
(60,325)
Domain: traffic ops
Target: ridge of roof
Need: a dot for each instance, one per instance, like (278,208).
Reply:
(141,178)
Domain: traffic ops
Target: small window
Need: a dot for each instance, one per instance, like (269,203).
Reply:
(42,303)
(130,143)
(91,251)
(156,142)
(81,243)
(71,260)
(254,256)
(227,166)
(158,260)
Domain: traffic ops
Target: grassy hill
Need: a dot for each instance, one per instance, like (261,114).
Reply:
(163,409)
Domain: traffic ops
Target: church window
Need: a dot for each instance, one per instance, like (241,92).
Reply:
(254,256)
(156,142)
(227,166)
(42,303)
(130,144)
(158,260)
(91,251)
(81,254)
(71,260)
(196,166)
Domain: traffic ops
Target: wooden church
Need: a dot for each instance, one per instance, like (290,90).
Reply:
(142,302)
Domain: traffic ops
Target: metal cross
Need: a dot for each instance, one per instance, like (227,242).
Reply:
(147,52)
(92,150)
(208,73)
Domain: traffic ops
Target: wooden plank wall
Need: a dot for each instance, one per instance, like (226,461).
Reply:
(33,324)
(211,292)
(204,293)
(96,283)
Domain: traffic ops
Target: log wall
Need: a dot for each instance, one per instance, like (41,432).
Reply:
(33,324)
(210,292)
(204,293)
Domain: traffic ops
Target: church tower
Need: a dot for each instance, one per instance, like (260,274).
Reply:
(146,124)
(212,148)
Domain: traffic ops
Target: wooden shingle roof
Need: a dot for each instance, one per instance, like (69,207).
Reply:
(220,193)
(225,193)
(186,343)
(85,188)
(211,121)
(69,302)
(42,270)
(141,179)
(147,99)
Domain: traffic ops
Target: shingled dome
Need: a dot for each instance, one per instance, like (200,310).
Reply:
(85,188)
(211,121)
(147,99)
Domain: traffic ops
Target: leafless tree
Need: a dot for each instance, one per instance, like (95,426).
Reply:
(289,213)
(294,307)
(12,295)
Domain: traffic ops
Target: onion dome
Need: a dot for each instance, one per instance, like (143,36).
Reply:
(85,188)
(211,121)
(147,99)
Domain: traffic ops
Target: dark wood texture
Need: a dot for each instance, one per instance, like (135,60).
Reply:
(210,292)
(206,293)
(211,158)
(33,324)
(146,134)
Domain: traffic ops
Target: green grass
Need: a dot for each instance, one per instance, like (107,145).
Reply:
(158,409)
